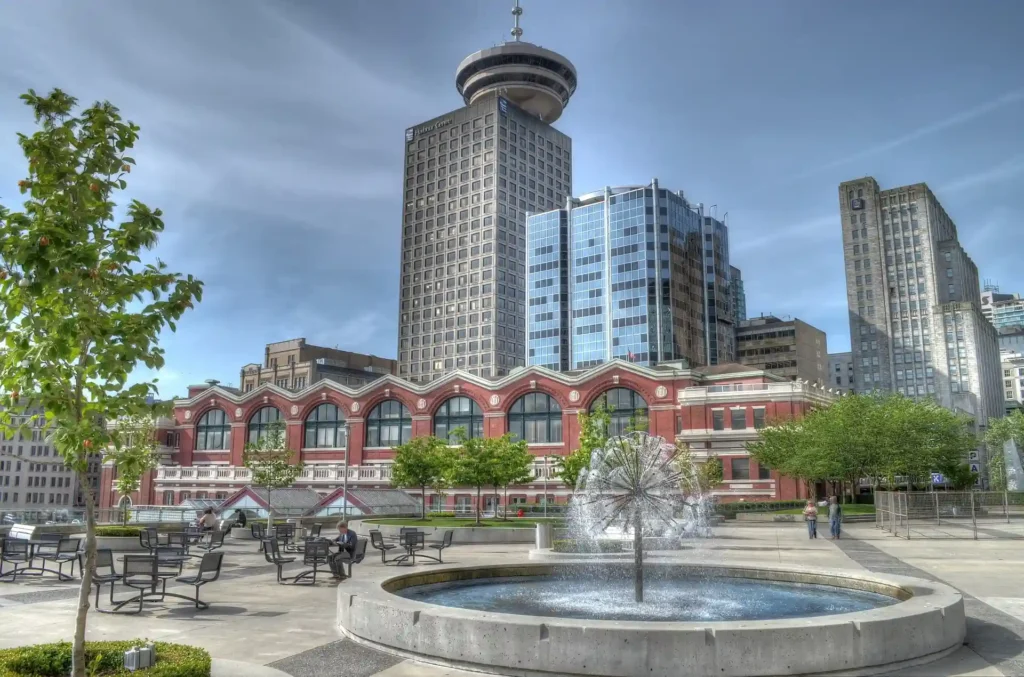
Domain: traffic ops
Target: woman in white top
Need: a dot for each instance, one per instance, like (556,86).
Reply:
(208,521)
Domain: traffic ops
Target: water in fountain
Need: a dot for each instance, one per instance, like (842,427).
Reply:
(638,487)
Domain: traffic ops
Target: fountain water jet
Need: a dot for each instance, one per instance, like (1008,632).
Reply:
(636,481)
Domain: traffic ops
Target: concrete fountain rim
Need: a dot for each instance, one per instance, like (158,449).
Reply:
(926,626)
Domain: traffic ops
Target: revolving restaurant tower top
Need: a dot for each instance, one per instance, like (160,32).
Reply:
(536,79)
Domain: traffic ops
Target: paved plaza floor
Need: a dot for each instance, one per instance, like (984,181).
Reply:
(253,621)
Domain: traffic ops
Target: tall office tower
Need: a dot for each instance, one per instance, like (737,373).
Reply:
(916,325)
(1004,311)
(471,176)
(626,268)
(739,294)
(720,334)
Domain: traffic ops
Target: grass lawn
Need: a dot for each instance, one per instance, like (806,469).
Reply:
(510,523)
(848,509)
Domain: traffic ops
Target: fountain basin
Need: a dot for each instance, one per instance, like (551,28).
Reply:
(924,621)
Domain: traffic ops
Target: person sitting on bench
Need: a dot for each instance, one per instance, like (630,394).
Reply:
(346,541)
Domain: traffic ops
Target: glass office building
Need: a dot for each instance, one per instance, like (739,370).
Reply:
(633,272)
(719,308)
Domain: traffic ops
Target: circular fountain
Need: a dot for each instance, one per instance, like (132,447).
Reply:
(616,618)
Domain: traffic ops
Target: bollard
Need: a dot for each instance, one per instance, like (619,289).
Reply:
(974,519)
(543,536)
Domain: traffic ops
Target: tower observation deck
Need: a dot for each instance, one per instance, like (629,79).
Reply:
(535,79)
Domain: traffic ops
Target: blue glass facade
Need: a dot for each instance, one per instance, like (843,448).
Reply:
(721,317)
(547,290)
(635,288)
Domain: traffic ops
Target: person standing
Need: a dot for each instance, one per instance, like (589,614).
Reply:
(811,517)
(835,516)
(346,541)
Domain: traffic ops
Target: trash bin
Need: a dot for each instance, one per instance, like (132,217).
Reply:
(543,536)
(300,535)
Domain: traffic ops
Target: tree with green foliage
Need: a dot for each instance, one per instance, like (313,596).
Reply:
(475,464)
(133,452)
(422,462)
(593,435)
(272,464)
(1000,431)
(876,436)
(512,463)
(79,310)
(710,473)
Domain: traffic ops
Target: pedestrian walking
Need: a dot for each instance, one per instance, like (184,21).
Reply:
(811,517)
(835,517)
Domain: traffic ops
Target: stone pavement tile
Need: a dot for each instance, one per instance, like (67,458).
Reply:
(343,658)
(1010,605)
(962,663)
(417,669)
(224,668)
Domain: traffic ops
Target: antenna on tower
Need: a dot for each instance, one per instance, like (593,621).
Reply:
(517,12)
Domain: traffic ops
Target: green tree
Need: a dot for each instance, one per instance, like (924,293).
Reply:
(80,310)
(1000,431)
(709,473)
(960,476)
(133,451)
(422,462)
(593,435)
(272,464)
(475,464)
(512,463)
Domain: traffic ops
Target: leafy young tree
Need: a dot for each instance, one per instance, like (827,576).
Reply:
(80,310)
(512,463)
(593,435)
(421,462)
(475,465)
(133,453)
(272,464)
(709,473)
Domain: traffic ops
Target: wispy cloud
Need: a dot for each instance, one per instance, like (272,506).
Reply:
(812,229)
(1009,98)
(1002,172)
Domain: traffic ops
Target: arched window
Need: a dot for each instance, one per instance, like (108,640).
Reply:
(213,432)
(536,418)
(458,412)
(325,428)
(261,423)
(388,425)
(627,410)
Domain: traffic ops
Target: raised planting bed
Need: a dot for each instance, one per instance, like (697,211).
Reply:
(575,546)
(103,659)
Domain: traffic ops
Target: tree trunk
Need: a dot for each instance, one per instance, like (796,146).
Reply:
(506,501)
(478,505)
(270,510)
(638,557)
(423,503)
(78,667)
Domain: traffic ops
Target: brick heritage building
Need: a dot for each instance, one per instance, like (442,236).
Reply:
(716,410)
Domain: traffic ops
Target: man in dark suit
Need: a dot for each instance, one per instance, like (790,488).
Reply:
(346,541)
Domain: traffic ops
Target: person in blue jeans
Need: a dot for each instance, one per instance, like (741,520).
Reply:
(811,517)
(835,516)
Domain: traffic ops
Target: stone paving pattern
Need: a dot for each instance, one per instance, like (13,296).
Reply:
(292,629)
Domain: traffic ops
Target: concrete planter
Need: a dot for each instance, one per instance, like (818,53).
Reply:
(241,533)
(118,543)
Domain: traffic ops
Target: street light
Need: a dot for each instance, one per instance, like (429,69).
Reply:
(344,480)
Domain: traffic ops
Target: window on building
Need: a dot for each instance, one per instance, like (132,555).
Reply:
(458,412)
(213,432)
(764,472)
(718,420)
(759,416)
(627,410)
(536,418)
(388,425)
(168,498)
(262,422)
(325,428)
(740,468)
(738,418)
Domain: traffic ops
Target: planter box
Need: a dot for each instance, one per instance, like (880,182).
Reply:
(118,543)
(241,533)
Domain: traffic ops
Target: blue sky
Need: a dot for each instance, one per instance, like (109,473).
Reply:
(272,135)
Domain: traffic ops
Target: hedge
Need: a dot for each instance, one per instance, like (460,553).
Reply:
(118,532)
(103,659)
(572,545)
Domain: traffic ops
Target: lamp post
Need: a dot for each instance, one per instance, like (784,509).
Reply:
(546,468)
(344,479)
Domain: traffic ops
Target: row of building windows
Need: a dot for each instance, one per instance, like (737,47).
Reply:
(38,498)
(535,417)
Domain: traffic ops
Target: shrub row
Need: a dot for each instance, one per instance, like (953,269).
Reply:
(114,532)
(103,659)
